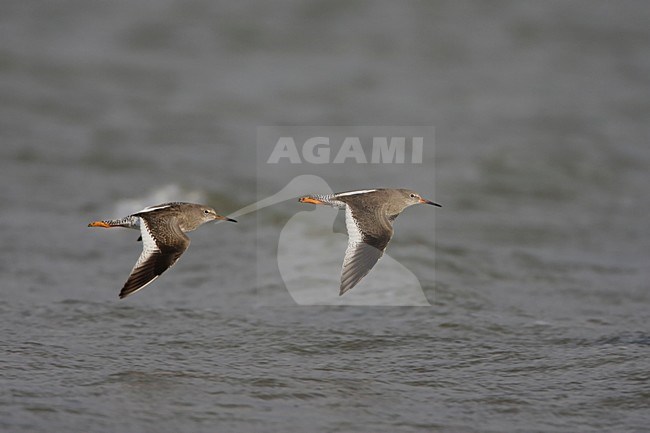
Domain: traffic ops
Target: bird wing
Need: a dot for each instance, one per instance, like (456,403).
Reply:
(163,243)
(367,240)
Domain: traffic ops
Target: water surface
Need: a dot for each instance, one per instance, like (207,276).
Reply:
(535,268)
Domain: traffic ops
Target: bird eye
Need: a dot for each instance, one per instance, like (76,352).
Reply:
(412,195)
(206,211)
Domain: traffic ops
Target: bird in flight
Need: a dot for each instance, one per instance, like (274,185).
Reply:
(369,216)
(162,228)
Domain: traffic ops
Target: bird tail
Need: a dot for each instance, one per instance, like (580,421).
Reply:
(327,199)
(130,222)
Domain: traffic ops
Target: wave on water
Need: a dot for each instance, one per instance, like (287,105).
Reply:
(164,194)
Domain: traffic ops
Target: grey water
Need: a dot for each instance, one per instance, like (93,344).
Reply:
(535,269)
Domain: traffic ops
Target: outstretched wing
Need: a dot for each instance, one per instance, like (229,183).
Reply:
(367,239)
(163,243)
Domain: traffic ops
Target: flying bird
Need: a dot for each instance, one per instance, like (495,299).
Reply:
(369,216)
(163,237)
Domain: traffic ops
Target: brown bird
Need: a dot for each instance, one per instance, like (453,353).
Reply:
(163,237)
(369,216)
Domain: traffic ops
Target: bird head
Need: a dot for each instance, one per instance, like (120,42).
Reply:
(209,214)
(409,198)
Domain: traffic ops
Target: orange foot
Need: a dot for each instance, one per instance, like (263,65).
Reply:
(309,200)
(99,224)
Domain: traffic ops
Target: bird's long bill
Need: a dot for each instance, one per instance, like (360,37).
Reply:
(219,217)
(429,202)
